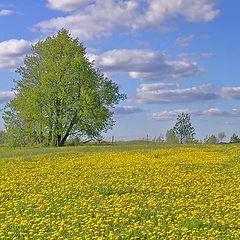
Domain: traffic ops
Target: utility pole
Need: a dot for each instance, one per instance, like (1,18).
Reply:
(112,140)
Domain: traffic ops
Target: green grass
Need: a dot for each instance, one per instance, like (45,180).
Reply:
(6,152)
(125,189)
(28,152)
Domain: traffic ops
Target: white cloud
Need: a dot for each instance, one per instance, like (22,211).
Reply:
(212,112)
(101,18)
(169,115)
(157,86)
(96,21)
(67,5)
(6,96)
(146,64)
(166,96)
(207,55)
(185,41)
(192,10)
(6,12)
(12,52)
(126,110)
(166,93)
(231,93)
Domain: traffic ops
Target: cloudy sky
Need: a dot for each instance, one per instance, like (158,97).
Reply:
(168,56)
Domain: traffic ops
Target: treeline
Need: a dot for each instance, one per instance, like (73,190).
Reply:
(184,132)
(171,138)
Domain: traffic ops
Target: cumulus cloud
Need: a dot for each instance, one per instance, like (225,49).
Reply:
(12,52)
(231,93)
(95,21)
(151,94)
(126,110)
(102,17)
(212,112)
(192,10)
(166,93)
(6,96)
(67,5)
(157,86)
(6,12)
(144,64)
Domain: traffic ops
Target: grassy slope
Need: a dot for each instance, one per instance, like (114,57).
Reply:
(6,152)
(120,146)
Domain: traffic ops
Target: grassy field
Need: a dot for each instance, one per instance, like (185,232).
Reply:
(122,191)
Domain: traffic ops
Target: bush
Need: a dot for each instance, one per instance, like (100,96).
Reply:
(75,141)
(211,139)
(171,137)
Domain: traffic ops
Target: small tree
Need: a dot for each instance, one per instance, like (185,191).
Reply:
(235,138)
(160,138)
(171,137)
(183,128)
(221,136)
(211,139)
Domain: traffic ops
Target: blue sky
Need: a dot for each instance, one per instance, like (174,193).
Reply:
(167,56)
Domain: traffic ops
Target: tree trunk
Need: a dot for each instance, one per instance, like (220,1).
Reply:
(63,140)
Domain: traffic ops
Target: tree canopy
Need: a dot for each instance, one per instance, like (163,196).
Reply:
(235,138)
(211,139)
(183,128)
(60,93)
(171,137)
(221,136)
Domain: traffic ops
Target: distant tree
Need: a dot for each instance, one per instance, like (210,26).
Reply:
(3,137)
(60,94)
(183,128)
(171,137)
(235,138)
(211,139)
(221,136)
(160,138)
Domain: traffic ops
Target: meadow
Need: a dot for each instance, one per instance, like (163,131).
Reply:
(120,191)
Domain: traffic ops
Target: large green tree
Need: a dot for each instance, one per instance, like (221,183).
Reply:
(60,94)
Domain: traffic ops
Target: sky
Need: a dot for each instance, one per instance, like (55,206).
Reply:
(168,57)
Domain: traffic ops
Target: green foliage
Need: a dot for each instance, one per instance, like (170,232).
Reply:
(221,136)
(183,128)
(3,137)
(73,141)
(171,137)
(235,138)
(194,223)
(60,94)
(193,141)
(211,139)
(160,138)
